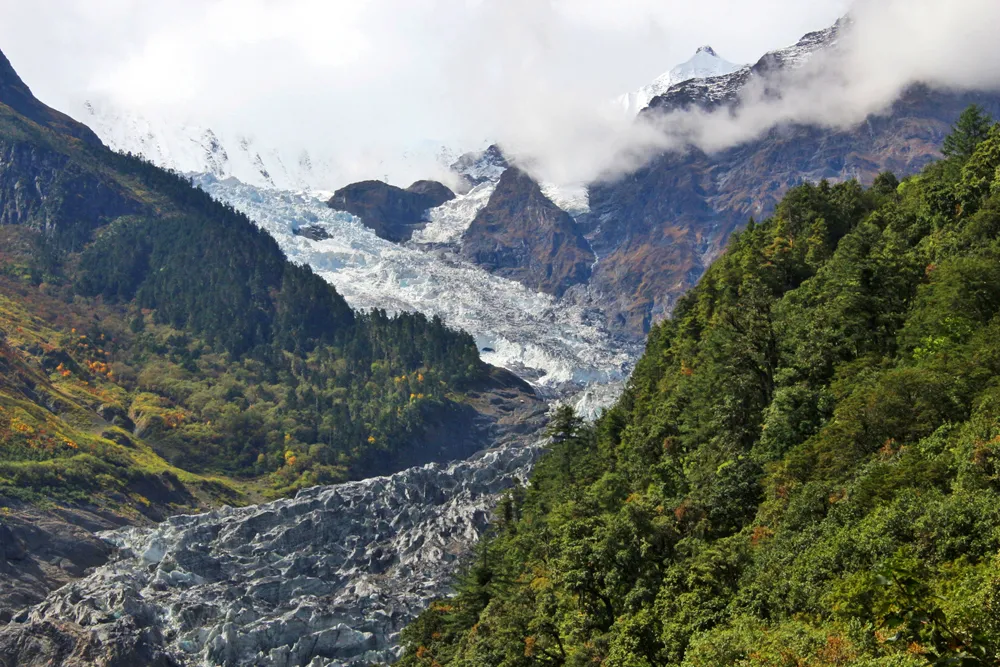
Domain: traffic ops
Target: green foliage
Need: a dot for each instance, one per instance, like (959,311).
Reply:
(224,357)
(969,130)
(803,470)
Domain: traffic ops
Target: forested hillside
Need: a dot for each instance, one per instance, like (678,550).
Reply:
(158,350)
(804,469)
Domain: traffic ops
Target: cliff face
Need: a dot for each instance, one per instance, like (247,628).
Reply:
(46,189)
(46,179)
(392,213)
(659,228)
(522,235)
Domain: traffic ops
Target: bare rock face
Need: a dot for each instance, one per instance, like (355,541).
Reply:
(658,229)
(43,188)
(522,235)
(43,549)
(327,578)
(392,213)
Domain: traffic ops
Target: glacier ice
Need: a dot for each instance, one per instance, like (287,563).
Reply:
(327,578)
(450,220)
(557,344)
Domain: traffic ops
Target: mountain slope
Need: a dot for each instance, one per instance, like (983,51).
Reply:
(223,356)
(17,96)
(196,147)
(659,228)
(160,355)
(520,234)
(704,64)
(801,471)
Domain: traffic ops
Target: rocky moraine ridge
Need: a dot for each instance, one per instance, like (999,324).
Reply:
(329,577)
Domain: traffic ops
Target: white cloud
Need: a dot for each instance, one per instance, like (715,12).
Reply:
(370,80)
(890,46)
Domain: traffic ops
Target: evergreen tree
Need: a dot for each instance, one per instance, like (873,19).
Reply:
(803,469)
(970,130)
(565,424)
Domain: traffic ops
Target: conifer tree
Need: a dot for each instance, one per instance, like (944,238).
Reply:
(971,129)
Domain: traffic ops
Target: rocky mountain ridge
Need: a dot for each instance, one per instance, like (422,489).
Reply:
(656,230)
(520,234)
(704,64)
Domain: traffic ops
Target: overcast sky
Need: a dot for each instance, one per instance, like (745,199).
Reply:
(365,81)
(373,78)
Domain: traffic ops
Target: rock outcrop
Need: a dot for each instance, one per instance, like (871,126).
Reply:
(392,213)
(43,549)
(658,229)
(327,578)
(481,167)
(522,235)
(43,188)
(41,185)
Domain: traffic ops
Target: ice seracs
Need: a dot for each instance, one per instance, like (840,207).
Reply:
(556,344)
(704,64)
(324,579)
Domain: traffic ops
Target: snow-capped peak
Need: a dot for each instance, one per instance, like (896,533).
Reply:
(194,147)
(704,64)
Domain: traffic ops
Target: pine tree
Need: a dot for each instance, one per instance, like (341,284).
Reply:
(971,129)
(564,425)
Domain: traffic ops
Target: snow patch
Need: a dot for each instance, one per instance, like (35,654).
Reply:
(705,64)
(573,198)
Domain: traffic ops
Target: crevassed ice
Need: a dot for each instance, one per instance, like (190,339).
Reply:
(450,220)
(550,342)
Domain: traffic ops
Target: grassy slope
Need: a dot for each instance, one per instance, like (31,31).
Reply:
(55,382)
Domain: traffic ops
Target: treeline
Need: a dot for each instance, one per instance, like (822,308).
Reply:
(803,470)
(203,265)
(235,360)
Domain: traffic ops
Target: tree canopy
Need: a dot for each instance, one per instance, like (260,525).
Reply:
(969,130)
(803,470)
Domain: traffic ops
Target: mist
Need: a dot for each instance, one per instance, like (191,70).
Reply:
(886,47)
(381,86)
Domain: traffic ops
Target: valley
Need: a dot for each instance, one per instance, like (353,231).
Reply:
(254,415)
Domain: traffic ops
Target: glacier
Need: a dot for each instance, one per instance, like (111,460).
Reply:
(559,345)
(327,578)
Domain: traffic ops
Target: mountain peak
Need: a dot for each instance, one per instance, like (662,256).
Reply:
(15,94)
(704,64)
